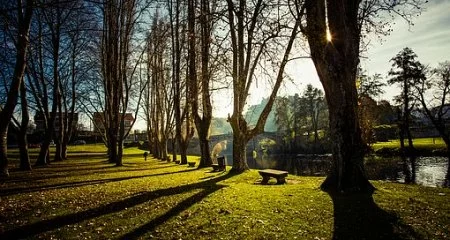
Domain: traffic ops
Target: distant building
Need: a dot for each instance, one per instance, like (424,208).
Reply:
(39,121)
(98,121)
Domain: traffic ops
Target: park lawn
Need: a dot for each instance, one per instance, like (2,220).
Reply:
(87,198)
(419,143)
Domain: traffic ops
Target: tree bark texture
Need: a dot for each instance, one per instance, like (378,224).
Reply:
(239,153)
(336,64)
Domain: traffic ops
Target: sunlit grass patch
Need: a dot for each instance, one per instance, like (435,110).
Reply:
(428,143)
(87,197)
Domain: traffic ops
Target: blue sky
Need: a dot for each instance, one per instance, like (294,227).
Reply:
(429,38)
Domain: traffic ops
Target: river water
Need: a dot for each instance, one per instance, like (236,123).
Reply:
(429,171)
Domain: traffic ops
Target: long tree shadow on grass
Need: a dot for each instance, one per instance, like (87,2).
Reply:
(74,170)
(359,217)
(26,189)
(210,186)
(180,207)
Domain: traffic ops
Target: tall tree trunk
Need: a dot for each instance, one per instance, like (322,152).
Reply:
(44,154)
(64,144)
(336,64)
(59,134)
(120,142)
(183,152)
(239,153)
(203,137)
(403,150)
(347,171)
(24,20)
(411,151)
(203,123)
(43,158)
(112,146)
(70,116)
(176,68)
(119,154)
(174,152)
(22,136)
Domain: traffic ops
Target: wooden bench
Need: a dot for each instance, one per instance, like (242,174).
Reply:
(191,164)
(266,174)
(220,165)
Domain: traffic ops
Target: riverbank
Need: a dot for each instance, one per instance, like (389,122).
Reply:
(85,197)
(424,147)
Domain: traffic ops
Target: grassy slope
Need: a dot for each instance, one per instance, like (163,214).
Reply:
(85,197)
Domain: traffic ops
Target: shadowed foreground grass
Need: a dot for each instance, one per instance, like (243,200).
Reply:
(87,198)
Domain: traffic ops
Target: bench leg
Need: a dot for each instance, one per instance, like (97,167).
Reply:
(265,180)
(281,180)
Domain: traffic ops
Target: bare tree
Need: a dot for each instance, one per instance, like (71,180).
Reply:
(24,13)
(76,68)
(203,117)
(184,129)
(53,17)
(159,99)
(437,109)
(119,64)
(254,27)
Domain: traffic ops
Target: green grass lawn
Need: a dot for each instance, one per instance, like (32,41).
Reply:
(419,143)
(87,198)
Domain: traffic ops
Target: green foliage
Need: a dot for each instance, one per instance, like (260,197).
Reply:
(302,118)
(406,71)
(85,197)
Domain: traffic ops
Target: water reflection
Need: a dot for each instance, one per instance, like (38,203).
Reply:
(428,171)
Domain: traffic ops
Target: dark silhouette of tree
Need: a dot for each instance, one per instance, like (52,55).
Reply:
(53,31)
(336,60)
(119,69)
(24,11)
(408,72)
